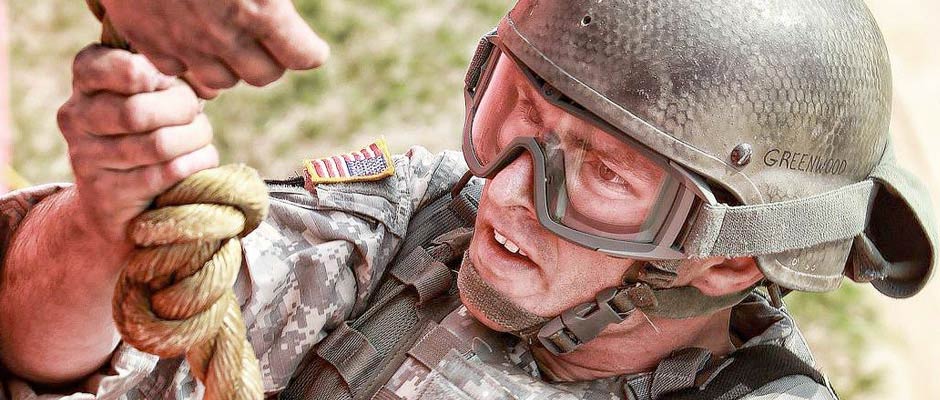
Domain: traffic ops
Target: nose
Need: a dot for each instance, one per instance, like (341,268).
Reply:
(512,186)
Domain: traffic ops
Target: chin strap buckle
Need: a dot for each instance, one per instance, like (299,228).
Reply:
(582,323)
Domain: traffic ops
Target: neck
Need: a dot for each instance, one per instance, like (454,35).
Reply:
(637,345)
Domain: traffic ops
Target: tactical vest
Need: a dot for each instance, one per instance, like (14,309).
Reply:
(418,291)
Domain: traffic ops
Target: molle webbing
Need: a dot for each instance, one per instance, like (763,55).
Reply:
(743,372)
(358,357)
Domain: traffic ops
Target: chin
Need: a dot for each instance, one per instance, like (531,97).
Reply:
(476,314)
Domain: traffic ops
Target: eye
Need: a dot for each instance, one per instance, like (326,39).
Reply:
(529,113)
(608,175)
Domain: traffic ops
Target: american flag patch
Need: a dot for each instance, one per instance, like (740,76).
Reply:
(371,163)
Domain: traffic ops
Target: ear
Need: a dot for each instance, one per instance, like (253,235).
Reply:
(722,276)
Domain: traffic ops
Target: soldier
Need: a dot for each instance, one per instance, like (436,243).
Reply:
(632,172)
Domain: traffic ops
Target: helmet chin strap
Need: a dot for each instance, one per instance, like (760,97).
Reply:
(643,289)
(495,305)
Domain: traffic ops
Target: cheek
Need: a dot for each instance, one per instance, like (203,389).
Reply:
(581,274)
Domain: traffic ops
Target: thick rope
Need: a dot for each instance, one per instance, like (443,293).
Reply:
(175,294)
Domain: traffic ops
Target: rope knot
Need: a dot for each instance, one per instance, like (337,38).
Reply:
(175,294)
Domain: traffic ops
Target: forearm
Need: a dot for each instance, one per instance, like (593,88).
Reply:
(55,294)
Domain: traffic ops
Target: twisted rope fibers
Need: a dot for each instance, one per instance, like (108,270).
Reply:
(175,295)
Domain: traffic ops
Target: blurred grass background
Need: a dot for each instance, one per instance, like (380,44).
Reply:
(397,70)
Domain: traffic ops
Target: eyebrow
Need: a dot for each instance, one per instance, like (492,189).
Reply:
(629,159)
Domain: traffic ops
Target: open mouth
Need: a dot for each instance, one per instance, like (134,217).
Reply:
(509,253)
(503,263)
(508,244)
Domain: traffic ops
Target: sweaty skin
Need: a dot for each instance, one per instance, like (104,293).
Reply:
(217,43)
(556,274)
(61,266)
(78,257)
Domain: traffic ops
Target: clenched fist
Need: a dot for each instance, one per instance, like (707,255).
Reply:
(132,133)
(218,42)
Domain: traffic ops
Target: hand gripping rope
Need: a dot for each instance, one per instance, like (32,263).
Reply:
(175,294)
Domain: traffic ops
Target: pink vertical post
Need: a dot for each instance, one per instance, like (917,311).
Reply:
(6,142)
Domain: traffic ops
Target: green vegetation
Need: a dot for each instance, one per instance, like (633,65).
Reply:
(396,70)
(843,327)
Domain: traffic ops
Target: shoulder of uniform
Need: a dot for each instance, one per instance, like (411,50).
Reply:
(793,387)
(372,162)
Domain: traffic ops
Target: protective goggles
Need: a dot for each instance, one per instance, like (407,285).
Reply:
(593,185)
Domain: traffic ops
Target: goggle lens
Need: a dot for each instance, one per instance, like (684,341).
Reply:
(597,184)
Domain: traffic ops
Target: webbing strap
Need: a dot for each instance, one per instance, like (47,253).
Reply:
(350,352)
(428,276)
(688,301)
(385,393)
(434,346)
(441,216)
(678,371)
(584,322)
(722,230)
(751,368)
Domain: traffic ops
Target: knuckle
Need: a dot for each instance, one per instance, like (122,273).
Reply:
(265,78)
(134,116)
(81,61)
(65,119)
(159,145)
(133,72)
(168,65)
(251,14)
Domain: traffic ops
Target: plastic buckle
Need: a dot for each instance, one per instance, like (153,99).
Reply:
(581,324)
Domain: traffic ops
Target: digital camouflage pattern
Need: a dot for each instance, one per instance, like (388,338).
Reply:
(313,264)
(499,367)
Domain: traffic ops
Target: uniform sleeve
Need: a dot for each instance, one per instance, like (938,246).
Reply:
(310,266)
(324,249)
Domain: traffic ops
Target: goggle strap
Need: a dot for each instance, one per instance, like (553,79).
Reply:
(479,62)
(772,228)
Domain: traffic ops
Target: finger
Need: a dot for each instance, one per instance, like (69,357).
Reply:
(285,34)
(127,152)
(209,71)
(109,114)
(201,90)
(252,63)
(152,180)
(98,68)
(166,64)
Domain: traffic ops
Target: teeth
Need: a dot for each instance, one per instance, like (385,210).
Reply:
(509,245)
(499,238)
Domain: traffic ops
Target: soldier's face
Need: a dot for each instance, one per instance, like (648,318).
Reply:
(512,251)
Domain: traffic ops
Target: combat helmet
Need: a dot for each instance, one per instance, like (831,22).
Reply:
(777,112)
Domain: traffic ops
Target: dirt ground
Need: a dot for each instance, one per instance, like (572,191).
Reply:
(911,30)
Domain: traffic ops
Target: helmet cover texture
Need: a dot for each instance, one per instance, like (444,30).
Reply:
(798,90)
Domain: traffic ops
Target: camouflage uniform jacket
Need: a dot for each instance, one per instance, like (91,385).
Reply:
(313,264)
